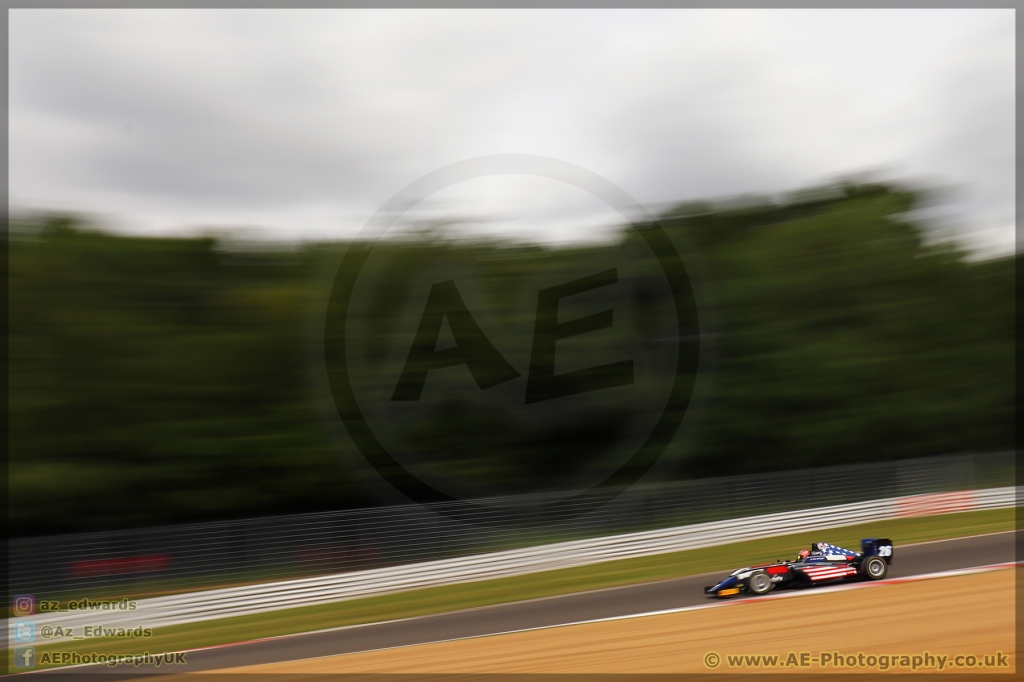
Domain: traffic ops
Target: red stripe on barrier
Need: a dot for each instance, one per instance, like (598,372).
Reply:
(938,503)
(126,565)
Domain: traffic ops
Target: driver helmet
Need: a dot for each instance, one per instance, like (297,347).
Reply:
(804,553)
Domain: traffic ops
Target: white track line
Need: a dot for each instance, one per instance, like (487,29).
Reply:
(820,590)
(284,594)
(699,607)
(566,595)
(731,602)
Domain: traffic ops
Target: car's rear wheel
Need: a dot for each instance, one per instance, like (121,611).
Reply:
(760,583)
(874,568)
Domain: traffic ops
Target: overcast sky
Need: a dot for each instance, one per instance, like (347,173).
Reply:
(300,124)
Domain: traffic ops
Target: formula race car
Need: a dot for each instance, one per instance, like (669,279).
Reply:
(823,563)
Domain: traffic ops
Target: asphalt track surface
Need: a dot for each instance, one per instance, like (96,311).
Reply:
(606,603)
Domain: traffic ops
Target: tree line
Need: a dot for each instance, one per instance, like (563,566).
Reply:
(160,380)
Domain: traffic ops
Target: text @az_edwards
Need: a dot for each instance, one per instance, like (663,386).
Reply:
(54,606)
(90,631)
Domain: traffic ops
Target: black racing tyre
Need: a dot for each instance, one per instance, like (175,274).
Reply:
(760,583)
(874,568)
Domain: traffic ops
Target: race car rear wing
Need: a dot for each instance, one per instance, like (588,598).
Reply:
(877,547)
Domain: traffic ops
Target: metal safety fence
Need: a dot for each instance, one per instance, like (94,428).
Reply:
(196,556)
(204,605)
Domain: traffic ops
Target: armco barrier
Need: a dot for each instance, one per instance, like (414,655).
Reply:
(214,554)
(222,603)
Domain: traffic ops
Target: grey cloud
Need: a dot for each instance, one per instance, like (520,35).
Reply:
(301,120)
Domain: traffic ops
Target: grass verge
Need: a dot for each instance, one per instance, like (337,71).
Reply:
(434,600)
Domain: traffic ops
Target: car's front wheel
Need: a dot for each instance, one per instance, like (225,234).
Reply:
(760,583)
(874,568)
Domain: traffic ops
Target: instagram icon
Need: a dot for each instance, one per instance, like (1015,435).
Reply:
(24,605)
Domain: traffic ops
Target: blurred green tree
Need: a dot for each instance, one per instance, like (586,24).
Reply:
(168,380)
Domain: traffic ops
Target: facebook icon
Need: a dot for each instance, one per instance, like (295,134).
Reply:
(24,656)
